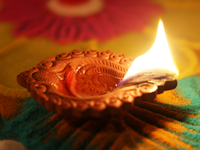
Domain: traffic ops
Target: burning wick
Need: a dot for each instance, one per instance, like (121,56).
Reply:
(154,64)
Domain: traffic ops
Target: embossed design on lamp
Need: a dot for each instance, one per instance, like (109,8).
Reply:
(50,84)
(84,84)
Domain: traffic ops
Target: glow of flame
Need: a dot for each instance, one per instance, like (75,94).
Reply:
(158,57)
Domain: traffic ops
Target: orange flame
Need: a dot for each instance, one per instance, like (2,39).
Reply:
(157,58)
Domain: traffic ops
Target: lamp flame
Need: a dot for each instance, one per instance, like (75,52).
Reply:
(157,58)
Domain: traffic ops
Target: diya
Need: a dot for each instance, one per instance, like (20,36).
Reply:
(91,83)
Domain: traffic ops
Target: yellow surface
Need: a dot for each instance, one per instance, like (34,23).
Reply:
(181,20)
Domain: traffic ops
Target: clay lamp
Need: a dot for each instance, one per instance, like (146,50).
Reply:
(94,83)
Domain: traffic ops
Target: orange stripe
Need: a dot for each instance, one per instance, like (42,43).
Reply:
(159,119)
(158,134)
(172,98)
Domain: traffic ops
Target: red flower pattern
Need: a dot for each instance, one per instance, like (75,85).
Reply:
(113,17)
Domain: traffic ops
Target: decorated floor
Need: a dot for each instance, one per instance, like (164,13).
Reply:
(33,30)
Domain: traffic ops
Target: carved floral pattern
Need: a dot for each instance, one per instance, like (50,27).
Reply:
(83,84)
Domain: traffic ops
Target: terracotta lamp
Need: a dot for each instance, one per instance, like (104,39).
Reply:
(93,83)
